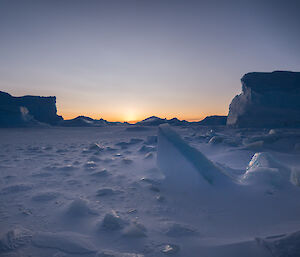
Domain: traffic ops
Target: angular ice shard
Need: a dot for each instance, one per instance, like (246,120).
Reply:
(264,169)
(185,168)
(264,160)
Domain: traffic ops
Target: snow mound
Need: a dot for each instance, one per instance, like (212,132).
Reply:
(286,245)
(136,230)
(112,221)
(185,167)
(79,208)
(107,192)
(68,242)
(14,239)
(264,169)
(180,230)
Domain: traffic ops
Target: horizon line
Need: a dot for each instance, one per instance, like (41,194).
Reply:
(138,120)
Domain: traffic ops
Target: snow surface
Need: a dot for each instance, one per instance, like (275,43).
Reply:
(96,192)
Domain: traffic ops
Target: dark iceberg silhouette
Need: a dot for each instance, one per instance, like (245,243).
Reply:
(267,100)
(214,120)
(27,110)
(83,121)
(156,121)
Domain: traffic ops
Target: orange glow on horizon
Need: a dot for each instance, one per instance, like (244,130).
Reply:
(131,118)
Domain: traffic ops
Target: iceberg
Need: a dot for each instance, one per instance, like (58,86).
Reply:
(268,100)
(27,110)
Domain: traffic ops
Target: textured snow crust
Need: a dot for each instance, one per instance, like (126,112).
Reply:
(168,191)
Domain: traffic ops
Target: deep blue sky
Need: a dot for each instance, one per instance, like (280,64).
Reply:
(126,60)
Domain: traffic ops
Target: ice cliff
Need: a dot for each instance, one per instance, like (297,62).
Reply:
(267,100)
(19,111)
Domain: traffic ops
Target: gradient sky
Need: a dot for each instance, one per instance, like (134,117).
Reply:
(127,60)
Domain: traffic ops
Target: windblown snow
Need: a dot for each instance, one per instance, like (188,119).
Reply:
(141,191)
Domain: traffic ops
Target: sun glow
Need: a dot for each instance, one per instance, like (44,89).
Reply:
(130,115)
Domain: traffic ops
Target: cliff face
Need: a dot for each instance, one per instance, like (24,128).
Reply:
(18,111)
(267,100)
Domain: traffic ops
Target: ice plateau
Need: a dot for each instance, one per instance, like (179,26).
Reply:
(267,100)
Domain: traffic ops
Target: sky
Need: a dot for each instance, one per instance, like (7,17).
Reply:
(125,60)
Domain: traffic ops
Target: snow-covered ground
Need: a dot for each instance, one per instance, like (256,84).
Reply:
(101,192)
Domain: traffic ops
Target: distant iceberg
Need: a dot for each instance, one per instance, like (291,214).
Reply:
(268,99)
(156,121)
(27,110)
